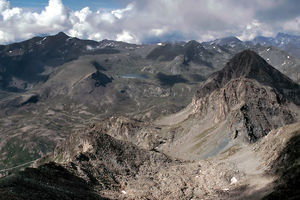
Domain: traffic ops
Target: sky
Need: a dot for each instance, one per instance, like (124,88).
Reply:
(148,21)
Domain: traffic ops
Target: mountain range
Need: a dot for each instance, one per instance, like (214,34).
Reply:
(112,120)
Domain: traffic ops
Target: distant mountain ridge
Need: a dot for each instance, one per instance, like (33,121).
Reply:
(286,42)
(289,43)
(281,39)
(25,63)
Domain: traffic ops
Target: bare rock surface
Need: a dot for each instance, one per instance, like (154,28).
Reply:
(238,139)
(101,166)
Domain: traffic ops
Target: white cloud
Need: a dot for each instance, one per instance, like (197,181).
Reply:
(158,31)
(145,20)
(126,37)
(83,14)
(4,5)
(255,28)
(292,25)
(6,37)
(18,24)
(54,16)
(119,13)
(9,13)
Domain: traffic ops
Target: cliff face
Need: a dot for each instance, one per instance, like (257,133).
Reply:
(252,110)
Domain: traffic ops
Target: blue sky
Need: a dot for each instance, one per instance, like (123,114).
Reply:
(140,21)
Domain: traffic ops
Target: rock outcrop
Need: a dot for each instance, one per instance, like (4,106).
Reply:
(93,165)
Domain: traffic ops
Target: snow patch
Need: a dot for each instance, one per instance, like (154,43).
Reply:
(86,146)
(233,180)
(110,44)
(41,41)
(124,192)
(89,48)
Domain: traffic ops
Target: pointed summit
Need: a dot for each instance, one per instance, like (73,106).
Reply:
(60,36)
(248,64)
(192,50)
(193,43)
(195,52)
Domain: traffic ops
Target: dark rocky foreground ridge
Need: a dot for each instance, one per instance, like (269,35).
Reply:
(102,167)
(124,158)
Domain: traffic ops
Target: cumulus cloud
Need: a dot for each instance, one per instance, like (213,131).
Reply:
(292,25)
(255,28)
(17,24)
(3,5)
(119,13)
(154,21)
(126,36)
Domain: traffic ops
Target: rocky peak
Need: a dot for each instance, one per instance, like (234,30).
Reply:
(192,50)
(248,64)
(247,106)
(247,93)
(193,43)
(61,35)
(195,52)
(165,52)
